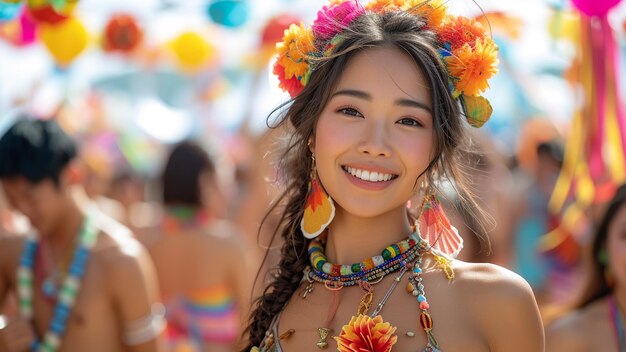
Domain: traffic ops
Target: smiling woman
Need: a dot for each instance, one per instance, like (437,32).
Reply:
(382,96)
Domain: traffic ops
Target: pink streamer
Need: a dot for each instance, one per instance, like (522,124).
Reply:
(613,70)
(596,163)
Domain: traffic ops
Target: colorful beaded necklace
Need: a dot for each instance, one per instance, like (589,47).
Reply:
(401,257)
(68,292)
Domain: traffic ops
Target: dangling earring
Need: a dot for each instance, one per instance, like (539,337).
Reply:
(319,209)
(434,227)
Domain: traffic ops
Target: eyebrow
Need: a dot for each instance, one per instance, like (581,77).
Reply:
(363,95)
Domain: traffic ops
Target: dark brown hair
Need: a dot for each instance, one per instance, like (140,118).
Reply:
(595,285)
(401,30)
(180,179)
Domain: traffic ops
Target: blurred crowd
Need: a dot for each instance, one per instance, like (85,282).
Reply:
(200,218)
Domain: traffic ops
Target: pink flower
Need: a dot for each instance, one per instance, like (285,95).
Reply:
(332,20)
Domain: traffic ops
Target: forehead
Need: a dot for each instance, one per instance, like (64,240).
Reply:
(386,72)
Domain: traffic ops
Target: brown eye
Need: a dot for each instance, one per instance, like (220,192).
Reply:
(350,112)
(409,122)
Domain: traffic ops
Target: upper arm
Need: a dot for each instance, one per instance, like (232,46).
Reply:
(510,315)
(134,289)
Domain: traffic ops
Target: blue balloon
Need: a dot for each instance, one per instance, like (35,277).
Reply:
(9,11)
(229,13)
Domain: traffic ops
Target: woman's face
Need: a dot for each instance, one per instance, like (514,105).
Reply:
(616,246)
(375,137)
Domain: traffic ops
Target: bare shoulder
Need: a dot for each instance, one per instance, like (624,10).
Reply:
(224,236)
(502,305)
(491,283)
(117,249)
(572,331)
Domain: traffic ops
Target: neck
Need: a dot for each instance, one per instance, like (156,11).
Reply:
(351,239)
(66,229)
(619,294)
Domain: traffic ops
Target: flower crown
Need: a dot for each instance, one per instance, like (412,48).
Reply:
(469,53)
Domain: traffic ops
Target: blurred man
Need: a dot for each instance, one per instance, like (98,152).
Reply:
(83,283)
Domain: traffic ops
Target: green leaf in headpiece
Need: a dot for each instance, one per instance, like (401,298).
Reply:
(477,110)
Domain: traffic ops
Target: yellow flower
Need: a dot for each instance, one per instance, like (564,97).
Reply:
(254,349)
(364,334)
(294,50)
(470,68)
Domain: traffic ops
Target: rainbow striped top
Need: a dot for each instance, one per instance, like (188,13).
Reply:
(203,315)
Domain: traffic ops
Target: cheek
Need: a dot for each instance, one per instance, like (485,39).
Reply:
(330,132)
(417,150)
(617,257)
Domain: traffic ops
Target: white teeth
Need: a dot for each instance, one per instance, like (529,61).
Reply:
(371,176)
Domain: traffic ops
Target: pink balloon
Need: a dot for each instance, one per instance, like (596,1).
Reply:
(595,7)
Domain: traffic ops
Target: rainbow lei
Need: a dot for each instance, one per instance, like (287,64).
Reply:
(470,55)
(68,292)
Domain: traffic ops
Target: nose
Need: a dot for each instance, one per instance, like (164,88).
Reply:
(375,140)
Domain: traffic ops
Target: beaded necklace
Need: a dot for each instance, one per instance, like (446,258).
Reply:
(402,256)
(68,291)
(618,327)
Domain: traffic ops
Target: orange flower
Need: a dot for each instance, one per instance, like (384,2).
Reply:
(364,334)
(470,68)
(380,6)
(293,51)
(434,11)
(459,30)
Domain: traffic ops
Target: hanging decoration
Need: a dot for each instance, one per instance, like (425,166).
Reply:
(51,11)
(229,13)
(122,33)
(65,41)
(20,31)
(9,9)
(595,152)
(192,52)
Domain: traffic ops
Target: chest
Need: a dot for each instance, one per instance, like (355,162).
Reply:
(453,327)
(91,309)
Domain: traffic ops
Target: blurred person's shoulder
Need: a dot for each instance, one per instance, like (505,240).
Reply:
(577,330)
(224,236)
(117,245)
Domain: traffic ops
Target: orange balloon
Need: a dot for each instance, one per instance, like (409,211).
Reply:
(65,41)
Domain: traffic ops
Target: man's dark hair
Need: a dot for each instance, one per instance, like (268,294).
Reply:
(36,150)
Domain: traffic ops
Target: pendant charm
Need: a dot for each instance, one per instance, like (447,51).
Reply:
(308,289)
(323,333)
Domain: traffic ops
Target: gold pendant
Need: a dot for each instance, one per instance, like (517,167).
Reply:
(323,333)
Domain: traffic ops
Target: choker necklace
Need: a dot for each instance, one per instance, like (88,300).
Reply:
(177,218)
(370,332)
(67,293)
